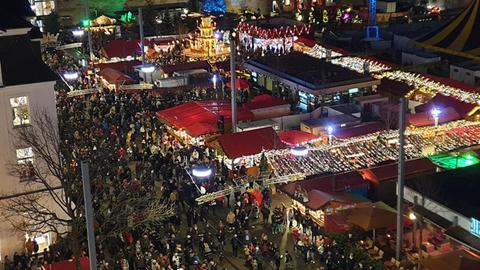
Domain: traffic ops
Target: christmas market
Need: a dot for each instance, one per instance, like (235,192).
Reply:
(215,134)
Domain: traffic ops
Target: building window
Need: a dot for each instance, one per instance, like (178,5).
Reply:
(43,7)
(21,111)
(25,163)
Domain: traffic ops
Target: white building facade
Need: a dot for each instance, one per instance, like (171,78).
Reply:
(26,87)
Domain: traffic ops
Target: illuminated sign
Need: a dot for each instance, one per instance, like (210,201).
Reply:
(475,227)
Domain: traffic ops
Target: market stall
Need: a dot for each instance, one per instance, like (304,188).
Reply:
(245,148)
(277,34)
(195,122)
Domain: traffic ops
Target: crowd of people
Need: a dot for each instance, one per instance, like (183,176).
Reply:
(133,156)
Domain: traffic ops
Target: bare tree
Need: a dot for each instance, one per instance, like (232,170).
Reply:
(52,199)
(389,115)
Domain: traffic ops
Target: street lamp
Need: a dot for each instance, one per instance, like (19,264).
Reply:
(214,80)
(413,218)
(78,32)
(330,134)
(299,151)
(435,114)
(148,69)
(202,172)
(70,75)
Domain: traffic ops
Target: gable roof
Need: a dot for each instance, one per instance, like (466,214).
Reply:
(122,48)
(200,117)
(13,12)
(442,102)
(113,76)
(20,64)
(250,142)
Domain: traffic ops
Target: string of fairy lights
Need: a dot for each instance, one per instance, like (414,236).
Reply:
(373,149)
(379,70)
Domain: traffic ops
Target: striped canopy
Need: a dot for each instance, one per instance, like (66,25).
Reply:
(460,36)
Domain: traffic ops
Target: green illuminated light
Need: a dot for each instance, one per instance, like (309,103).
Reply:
(86,22)
(451,161)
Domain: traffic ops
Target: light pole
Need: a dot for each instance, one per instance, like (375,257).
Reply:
(401,179)
(78,33)
(70,75)
(140,25)
(214,81)
(436,114)
(413,218)
(87,197)
(90,43)
(233,71)
(148,69)
(330,134)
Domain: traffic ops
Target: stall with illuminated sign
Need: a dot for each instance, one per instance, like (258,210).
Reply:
(277,34)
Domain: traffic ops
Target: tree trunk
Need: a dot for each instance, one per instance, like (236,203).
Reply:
(76,247)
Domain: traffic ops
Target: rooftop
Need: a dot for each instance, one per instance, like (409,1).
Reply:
(13,12)
(251,142)
(456,189)
(312,73)
(471,65)
(337,120)
(423,54)
(20,64)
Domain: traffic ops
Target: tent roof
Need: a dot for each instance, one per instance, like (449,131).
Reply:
(122,66)
(373,216)
(264,101)
(169,69)
(190,115)
(317,199)
(296,137)
(325,183)
(359,130)
(113,76)
(442,102)
(240,83)
(389,172)
(122,48)
(459,36)
(250,142)
(306,41)
(70,265)
(425,118)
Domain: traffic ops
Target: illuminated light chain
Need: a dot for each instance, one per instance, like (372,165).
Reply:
(369,150)
(320,52)
(357,64)
(351,62)
(429,86)
(282,32)
(421,83)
